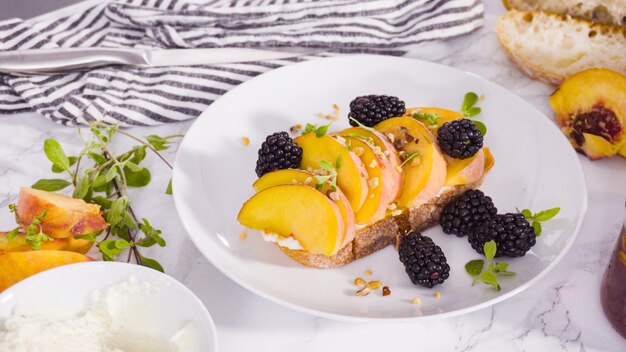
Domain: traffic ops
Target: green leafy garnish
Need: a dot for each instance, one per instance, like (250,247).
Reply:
(34,235)
(366,139)
(321,180)
(430,117)
(362,125)
(319,131)
(539,217)
(469,110)
(489,275)
(410,156)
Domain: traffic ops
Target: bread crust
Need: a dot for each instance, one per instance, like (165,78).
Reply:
(385,232)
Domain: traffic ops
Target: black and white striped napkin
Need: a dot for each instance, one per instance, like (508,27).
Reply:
(149,96)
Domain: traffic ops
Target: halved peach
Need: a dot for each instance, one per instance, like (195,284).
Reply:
(16,266)
(383,189)
(464,171)
(299,211)
(65,216)
(424,174)
(351,176)
(301,177)
(19,244)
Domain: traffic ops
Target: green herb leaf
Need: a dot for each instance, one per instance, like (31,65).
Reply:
(153,236)
(408,157)
(82,188)
(109,249)
(482,128)
(115,215)
(537,228)
(326,165)
(432,118)
(97,158)
(338,162)
(309,128)
(56,169)
(139,154)
(55,153)
(103,202)
(151,263)
(11,235)
(489,278)
(50,185)
(132,166)
(358,123)
(122,244)
(490,250)
(474,267)
(169,188)
(364,138)
(111,174)
(500,268)
(158,143)
(89,236)
(527,214)
(139,178)
(469,101)
(321,131)
(472,111)
(548,214)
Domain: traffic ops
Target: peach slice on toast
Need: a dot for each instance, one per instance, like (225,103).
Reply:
(351,175)
(464,171)
(425,172)
(299,211)
(381,177)
(65,216)
(301,177)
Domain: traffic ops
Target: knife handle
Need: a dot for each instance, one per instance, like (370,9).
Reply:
(46,61)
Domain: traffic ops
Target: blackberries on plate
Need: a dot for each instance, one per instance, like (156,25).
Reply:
(423,260)
(459,139)
(513,235)
(465,212)
(278,152)
(372,109)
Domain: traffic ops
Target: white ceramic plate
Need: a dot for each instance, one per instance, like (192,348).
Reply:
(67,290)
(535,168)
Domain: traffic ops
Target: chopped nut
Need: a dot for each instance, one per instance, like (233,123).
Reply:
(377,150)
(392,206)
(358,281)
(373,182)
(294,181)
(391,137)
(308,181)
(387,153)
(245,141)
(372,196)
(386,291)
(341,139)
(359,151)
(416,161)
(373,164)
(322,172)
(396,212)
(335,107)
(398,144)
(409,138)
(364,291)
(309,169)
(416,300)
(367,272)
(243,236)
(373,285)
(437,294)
(334,196)
(295,128)
(399,168)
(481,97)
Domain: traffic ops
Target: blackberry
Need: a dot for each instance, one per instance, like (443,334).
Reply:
(460,139)
(465,212)
(371,109)
(512,233)
(423,260)
(278,152)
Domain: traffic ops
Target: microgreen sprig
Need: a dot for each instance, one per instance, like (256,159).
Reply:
(319,131)
(371,129)
(469,110)
(331,177)
(489,274)
(537,218)
(410,156)
(432,118)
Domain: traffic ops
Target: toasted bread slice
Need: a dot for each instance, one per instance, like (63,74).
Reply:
(387,231)
(553,47)
(600,11)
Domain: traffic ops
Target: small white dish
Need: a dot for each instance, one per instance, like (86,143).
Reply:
(535,168)
(67,290)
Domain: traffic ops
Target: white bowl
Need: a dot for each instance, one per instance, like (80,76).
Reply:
(68,289)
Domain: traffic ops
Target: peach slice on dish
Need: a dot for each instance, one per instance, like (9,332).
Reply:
(299,211)
(301,177)
(381,176)
(19,244)
(351,175)
(425,171)
(65,216)
(16,266)
(464,171)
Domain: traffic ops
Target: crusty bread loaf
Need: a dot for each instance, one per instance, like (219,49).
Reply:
(385,232)
(553,47)
(601,11)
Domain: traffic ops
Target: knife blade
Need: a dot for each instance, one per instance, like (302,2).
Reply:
(46,61)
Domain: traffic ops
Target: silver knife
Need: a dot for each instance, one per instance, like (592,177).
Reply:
(46,61)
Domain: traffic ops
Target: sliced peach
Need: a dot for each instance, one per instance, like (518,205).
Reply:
(425,174)
(622,151)
(464,171)
(351,176)
(16,266)
(65,216)
(489,159)
(445,115)
(381,180)
(301,177)
(19,244)
(299,211)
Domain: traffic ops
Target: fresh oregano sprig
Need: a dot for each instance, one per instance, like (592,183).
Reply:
(489,274)
(469,110)
(432,118)
(331,177)
(319,131)
(537,218)
(101,176)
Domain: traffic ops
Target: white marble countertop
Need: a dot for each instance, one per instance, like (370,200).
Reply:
(562,312)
